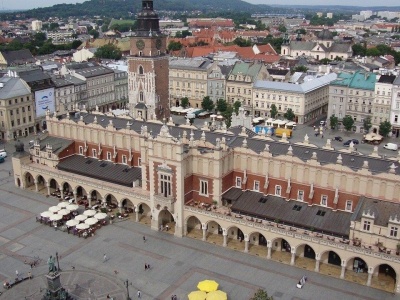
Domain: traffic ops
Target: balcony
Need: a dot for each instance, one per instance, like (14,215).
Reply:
(161,202)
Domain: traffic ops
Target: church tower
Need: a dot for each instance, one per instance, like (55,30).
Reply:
(148,67)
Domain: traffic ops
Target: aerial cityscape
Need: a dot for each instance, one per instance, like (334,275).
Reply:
(199,150)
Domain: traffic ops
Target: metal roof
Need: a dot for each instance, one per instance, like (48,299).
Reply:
(13,87)
(233,139)
(305,87)
(294,213)
(58,144)
(100,169)
(358,80)
(382,210)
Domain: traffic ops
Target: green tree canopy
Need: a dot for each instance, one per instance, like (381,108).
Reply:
(222,105)
(300,68)
(367,124)
(282,28)
(241,42)
(273,111)
(384,128)
(236,106)
(185,102)
(94,33)
(109,51)
(174,46)
(227,114)
(207,103)
(261,295)
(325,61)
(289,114)
(333,122)
(348,122)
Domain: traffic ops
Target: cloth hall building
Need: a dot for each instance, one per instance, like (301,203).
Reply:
(332,212)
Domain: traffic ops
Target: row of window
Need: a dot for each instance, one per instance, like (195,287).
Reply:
(300,193)
(18,121)
(188,75)
(16,111)
(393,230)
(124,158)
(16,101)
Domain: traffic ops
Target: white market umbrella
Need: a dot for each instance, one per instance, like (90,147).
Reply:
(89,213)
(72,223)
(54,209)
(56,217)
(72,207)
(81,218)
(63,212)
(100,216)
(46,214)
(82,226)
(91,221)
(62,204)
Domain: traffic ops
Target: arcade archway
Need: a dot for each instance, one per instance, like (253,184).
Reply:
(281,250)
(144,214)
(193,228)
(166,221)
(235,238)
(305,257)
(214,233)
(330,264)
(384,278)
(258,244)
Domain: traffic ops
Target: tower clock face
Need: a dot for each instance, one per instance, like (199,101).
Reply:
(158,44)
(140,44)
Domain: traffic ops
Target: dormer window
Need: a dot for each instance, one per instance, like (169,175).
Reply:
(393,231)
(367,225)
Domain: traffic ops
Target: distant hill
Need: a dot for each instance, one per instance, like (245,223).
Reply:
(122,8)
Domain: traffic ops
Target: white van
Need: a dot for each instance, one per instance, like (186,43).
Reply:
(190,116)
(3,153)
(390,146)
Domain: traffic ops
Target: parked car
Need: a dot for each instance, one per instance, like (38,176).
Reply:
(3,153)
(338,138)
(347,143)
(391,146)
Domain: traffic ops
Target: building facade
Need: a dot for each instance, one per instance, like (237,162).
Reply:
(352,94)
(239,85)
(395,108)
(383,100)
(148,67)
(121,89)
(188,78)
(307,100)
(217,81)
(289,201)
(17,117)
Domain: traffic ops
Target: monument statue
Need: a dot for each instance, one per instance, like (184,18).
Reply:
(51,263)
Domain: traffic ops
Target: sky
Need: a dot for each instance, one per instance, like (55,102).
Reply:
(28,4)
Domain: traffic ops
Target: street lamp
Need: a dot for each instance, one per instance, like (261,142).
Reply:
(127,283)
(58,262)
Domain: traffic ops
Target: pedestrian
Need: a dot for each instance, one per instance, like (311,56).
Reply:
(9,173)
(322,136)
(17,274)
(144,239)
(148,266)
(29,275)
(139,294)
(145,267)
(104,258)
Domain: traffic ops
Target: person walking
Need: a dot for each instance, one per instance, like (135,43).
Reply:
(144,239)
(145,267)
(17,274)
(139,294)
(104,258)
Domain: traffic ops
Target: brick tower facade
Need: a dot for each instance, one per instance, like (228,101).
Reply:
(148,67)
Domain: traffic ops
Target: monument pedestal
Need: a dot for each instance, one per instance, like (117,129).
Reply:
(54,289)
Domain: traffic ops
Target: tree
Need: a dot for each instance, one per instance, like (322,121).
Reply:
(227,114)
(333,121)
(222,105)
(174,46)
(372,52)
(325,61)
(289,115)
(300,68)
(94,33)
(282,28)
(109,51)
(384,128)
(367,124)
(358,49)
(348,122)
(261,295)
(207,103)
(241,42)
(273,111)
(184,102)
(75,44)
(236,106)
(301,31)
(53,26)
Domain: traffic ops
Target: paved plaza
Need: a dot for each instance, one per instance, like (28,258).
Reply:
(177,264)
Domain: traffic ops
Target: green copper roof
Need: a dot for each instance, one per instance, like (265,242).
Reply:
(243,68)
(359,80)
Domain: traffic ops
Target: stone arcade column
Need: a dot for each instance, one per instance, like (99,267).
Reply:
(292,259)
(397,286)
(120,207)
(269,246)
(89,199)
(342,272)
(48,188)
(62,194)
(204,228)
(225,234)
(246,243)
(75,197)
(317,261)
(137,213)
(36,186)
(370,272)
